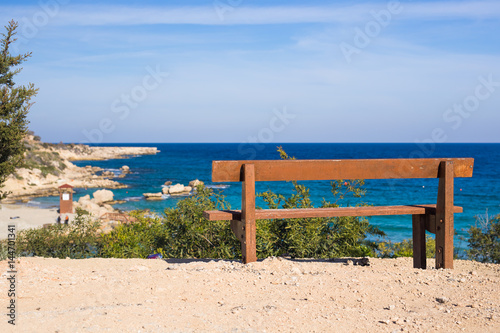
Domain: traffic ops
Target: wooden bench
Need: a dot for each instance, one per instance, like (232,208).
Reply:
(435,218)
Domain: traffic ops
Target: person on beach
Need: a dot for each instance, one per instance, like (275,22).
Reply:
(66,220)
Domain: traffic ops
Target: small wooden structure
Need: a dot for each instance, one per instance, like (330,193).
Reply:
(66,199)
(435,218)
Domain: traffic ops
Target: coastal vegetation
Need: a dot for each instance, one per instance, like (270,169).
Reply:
(49,162)
(484,239)
(388,249)
(15,102)
(183,232)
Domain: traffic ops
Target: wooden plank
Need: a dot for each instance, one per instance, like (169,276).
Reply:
(419,256)
(444,217)
(215,215)
(430,223)
(238,229)
(249,242)
(286,170)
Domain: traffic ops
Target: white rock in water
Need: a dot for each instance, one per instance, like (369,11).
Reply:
(103,196)
(188,188)
(164,190)
(177,188)
(153,196)
(195,183)
(125,169)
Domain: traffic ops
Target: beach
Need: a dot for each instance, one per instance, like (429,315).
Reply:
(273,295)
(24,217)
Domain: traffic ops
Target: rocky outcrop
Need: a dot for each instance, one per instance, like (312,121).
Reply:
(103,196)
(82,152)
(108,174)
(177,189)
(153,196)
(195,183)
(125,169)
(96,206)
(28,183)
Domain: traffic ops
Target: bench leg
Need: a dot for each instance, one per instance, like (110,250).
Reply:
(444,217)
(419,256)
(248,243)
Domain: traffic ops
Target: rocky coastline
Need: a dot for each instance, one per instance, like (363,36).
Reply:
(49,166)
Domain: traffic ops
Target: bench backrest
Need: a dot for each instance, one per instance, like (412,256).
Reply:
(286,170)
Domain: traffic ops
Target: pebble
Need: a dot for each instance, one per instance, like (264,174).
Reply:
(237,309)
(442,299)
(173,267)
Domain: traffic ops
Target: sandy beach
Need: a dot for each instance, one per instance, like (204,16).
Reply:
(24,217)
(274,295)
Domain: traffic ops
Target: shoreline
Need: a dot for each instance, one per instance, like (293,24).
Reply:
(25,217)
(51,166)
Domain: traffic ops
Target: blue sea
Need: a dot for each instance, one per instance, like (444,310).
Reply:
(181,163)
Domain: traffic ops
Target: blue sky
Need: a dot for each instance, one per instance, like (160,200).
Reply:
(265,71)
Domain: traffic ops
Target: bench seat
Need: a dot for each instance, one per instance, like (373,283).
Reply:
(261,214)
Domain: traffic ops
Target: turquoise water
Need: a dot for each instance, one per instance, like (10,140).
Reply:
(181,163)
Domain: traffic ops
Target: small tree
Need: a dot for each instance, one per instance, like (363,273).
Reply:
(14,106)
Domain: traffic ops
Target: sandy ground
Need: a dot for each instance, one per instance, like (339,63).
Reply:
(274,295)
(25,217)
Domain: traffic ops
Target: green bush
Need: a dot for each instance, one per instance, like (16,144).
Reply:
(405,248)
(312,237)
(134,240)
(77,240)
(484,240)
(190,235)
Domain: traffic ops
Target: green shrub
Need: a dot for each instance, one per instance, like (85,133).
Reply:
(134,240)
(405,248)
(78,239)
(484,240)
(313,237)
(190,235)
(4,249)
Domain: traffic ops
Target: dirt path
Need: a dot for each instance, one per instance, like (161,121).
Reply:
(274,295)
